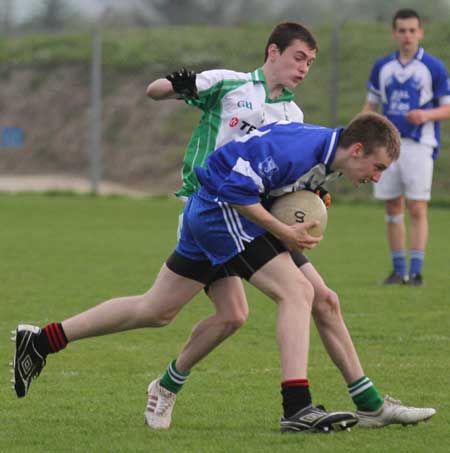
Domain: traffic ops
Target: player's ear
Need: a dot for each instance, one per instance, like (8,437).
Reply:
(357,149)
(273,51)
(420,32)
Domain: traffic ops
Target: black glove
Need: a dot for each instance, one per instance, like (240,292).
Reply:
(324,195)
(183,82)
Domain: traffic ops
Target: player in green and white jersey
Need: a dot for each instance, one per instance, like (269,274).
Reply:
(233,104)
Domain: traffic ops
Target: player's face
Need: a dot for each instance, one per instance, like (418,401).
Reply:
(367,168)
(291,66)
(407,33)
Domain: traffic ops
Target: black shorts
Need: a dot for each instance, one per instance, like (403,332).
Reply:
(256,254)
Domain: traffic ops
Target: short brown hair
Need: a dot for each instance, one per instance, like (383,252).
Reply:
(405,14)
(286,32)
(372,131)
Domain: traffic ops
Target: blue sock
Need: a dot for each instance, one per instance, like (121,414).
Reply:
(399,261)
(416,264)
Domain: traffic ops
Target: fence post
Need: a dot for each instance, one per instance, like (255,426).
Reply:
(335,51)
(96,109)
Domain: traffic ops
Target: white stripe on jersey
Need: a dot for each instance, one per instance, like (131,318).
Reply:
(428,135)
(444,100)
(231,227)
(244,235)
(330,148)
(193,160)
(205,80)
(244,168)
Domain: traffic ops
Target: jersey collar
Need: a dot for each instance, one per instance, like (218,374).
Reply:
(330,148)
(417,56)
(285,96)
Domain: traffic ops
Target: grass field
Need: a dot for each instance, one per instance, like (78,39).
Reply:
(63,254)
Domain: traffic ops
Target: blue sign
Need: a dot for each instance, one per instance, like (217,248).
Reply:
(12,137)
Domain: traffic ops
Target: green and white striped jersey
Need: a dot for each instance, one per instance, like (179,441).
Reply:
(233,104)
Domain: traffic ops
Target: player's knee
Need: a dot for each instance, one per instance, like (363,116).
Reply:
(417,211)
(234,319)
(235,323)
(161,319)
(296,289)
(326,304)
(158,316)
(394,219)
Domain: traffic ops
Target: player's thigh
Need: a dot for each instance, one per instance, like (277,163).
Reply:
(255,264)
(417,171)
(390,184)
(316,280)
(280,279)
(299,258)
(228,297)
(171,291)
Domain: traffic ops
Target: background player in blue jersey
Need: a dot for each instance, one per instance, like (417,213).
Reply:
(225,224)
(414,90)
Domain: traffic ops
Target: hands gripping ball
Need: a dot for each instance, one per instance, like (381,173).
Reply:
(299,207)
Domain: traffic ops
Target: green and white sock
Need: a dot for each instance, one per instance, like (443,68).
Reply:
(173,379)
(365,395)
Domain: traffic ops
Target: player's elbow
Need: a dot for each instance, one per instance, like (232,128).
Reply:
(151,92)
(159,89)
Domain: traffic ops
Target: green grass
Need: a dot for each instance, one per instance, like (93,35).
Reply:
(63,254)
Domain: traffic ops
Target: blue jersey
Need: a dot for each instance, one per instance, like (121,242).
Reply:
(279,158)
(422,83)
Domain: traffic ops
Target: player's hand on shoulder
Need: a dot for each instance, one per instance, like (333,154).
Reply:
(183,82)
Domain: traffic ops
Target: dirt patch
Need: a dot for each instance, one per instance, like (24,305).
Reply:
(141,148)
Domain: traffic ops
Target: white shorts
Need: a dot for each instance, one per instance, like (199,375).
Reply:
(411,175)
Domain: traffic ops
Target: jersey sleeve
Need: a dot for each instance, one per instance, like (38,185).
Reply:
(239,185)
(373,84)
(441,84)
(232,173)
(297,115)
(239,190)
(210,85)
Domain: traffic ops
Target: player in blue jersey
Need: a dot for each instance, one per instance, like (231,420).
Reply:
(225,222)
(413,88)
(233,104)
(274,160)
(225,225)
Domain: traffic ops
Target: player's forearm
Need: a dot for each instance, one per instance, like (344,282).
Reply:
(370,107)
(259,215)
(439,113)
(160,89)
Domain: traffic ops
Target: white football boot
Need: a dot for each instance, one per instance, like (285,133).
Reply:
(158,413)
(393,412)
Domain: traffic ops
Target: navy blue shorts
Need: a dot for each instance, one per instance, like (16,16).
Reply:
(214,231)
